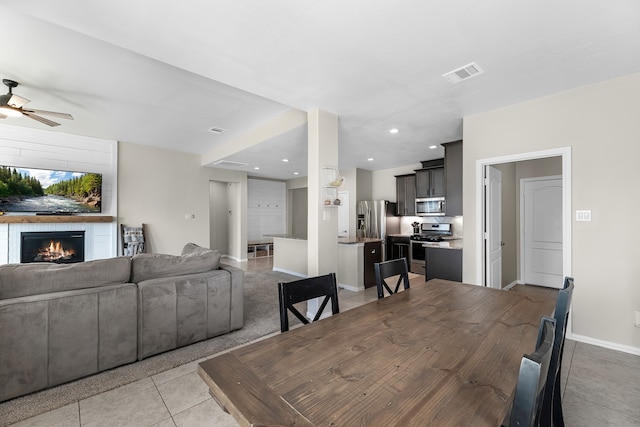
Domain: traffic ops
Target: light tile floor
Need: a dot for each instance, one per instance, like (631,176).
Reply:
(601,388)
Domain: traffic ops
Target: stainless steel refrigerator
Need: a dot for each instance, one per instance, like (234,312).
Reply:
(376,219)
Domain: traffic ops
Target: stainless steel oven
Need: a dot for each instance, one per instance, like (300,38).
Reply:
(417,257)
(429,232)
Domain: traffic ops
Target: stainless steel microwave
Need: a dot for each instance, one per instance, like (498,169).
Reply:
(430,206)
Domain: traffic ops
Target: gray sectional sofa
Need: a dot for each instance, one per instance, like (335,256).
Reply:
(60,322)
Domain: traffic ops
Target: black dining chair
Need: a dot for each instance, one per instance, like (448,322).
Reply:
(386,269)
(291,293)
(527,402)
(552,402)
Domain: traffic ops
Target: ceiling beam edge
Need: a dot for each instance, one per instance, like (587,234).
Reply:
(280,124)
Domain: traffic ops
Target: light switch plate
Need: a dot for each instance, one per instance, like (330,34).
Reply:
(583,215)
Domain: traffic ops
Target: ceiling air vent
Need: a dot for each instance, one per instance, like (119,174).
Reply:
(229,163)
(463,73)
(216,130)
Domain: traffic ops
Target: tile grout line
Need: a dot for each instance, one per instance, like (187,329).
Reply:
(79,414)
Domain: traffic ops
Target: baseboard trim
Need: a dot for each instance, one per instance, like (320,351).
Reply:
(293,273)
(349,288)
(510,285)
(605,344)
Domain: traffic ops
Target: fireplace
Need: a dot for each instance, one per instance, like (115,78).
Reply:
(62,247)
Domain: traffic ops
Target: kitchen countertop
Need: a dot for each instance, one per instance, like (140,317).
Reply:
(446,244)
(287,236)
(353,240)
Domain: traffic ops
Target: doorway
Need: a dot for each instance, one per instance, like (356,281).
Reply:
(514,168)
(224,219)
(493,232)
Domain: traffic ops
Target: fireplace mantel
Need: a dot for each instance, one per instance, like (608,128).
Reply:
(52,219)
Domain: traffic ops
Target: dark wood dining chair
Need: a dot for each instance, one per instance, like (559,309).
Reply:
(386,269)
(291,293)
(552,402)
(527,402)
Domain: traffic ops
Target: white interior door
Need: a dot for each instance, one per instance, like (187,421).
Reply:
(541,216)
(493,227)
(343,214)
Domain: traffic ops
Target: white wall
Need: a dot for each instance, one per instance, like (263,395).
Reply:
(267,209)
(44,149)
(158,187)
(600,124)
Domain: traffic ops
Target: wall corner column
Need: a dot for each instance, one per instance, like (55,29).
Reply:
(322,225)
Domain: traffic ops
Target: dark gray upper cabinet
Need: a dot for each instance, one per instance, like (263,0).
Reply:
(453,177)
(406,194)
(430,183)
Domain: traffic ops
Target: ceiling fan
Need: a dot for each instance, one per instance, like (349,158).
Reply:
(12,105)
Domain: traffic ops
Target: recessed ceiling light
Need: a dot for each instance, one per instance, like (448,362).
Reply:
(432,147)
(296,173)
(257,168)
(394,130)
(285,160)
(370,159)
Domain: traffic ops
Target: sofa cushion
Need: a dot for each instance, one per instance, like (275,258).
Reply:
(18,280)
(151,266)
(192,248)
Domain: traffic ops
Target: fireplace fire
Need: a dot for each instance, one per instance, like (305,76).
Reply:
(55,252)
(52,246)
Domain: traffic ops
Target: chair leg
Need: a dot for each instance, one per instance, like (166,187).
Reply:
(558,418)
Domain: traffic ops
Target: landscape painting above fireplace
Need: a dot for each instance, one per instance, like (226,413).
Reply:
(49,191)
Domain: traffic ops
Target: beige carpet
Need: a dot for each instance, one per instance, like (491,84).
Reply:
(261,317)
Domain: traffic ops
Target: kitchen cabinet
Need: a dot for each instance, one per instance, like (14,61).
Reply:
(443,263)
(453,177)
(397,247)
(430,183)
(372,255)
(406,194)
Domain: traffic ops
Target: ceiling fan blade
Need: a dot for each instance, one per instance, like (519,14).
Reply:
(40,119)
(17,101)
(50,113)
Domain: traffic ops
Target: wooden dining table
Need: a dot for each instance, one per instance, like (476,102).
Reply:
(438,354)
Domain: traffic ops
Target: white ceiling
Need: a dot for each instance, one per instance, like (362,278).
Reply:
(163,73)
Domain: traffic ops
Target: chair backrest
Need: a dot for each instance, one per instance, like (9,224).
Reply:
(561,316)
(386,269)
(291,293)
(532,378)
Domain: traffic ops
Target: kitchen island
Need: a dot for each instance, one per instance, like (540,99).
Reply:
(290,254)
(356,257)
(443,260)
